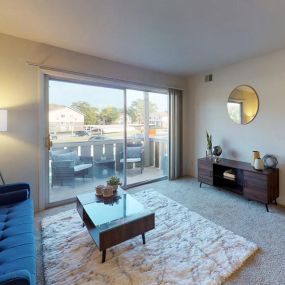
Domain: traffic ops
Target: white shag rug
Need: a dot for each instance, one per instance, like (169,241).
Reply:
(184,248)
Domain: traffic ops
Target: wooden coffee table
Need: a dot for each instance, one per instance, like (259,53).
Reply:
(111,221)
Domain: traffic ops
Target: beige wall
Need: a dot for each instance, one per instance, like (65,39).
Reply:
(20,87)
(208,111)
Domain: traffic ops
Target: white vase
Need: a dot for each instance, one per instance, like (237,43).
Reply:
(259,164)
(255,155)
(209,152)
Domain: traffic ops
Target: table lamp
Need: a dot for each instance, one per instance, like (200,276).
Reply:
(3,128)
(3,120)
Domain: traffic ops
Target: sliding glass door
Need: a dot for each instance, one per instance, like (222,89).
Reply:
(147,136)
(97,132)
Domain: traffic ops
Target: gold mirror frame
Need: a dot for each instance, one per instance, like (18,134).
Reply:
(243,104)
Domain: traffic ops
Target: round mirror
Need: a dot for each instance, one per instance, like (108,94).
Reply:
(243,104)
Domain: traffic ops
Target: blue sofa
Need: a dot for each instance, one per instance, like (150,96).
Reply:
(17,244)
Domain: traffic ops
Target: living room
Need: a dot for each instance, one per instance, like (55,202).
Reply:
(179,64)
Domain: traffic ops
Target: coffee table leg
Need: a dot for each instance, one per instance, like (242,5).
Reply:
(103,256)
(143,238)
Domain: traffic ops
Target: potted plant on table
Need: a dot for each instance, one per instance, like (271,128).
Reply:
(209,145)
(114,181)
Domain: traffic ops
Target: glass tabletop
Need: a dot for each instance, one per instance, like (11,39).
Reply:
(107,213)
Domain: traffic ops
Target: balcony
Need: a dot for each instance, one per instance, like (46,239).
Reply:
(104,159)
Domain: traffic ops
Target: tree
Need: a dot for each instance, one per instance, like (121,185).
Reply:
(109,115)
(136,110)
(91,116)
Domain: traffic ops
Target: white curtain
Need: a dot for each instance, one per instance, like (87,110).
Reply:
(175,131)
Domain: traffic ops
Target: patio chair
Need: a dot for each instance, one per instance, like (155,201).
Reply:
(66,166)
(135,156)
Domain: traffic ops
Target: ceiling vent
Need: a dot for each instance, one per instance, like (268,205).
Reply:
(209,78)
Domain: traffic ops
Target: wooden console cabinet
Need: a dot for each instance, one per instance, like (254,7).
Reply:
(262,186)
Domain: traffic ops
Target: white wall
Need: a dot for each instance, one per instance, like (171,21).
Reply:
(207,110)
(20,94)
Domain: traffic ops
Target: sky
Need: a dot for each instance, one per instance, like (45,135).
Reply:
(65,93)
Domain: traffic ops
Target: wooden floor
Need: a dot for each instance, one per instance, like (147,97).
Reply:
(59,193)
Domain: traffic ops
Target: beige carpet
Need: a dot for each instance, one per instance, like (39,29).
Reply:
(185,248)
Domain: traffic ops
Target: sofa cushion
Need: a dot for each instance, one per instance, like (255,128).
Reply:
(16,219)
(72,156)
(17,248)
(81,167)
(134,152)
(23,263)
(131,160)
(19,277)
(14,197)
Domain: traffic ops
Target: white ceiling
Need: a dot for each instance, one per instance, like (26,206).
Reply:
(175,36)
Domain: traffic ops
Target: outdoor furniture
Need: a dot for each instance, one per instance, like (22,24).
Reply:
(104,168)
(66,166)
(134,156)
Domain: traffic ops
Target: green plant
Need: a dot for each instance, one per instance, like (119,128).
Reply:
(209,140)
(114,180)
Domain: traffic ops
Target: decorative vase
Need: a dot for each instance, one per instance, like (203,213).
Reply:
(255,155)
(108,191)
(209,152)
(99,190)
(217,151)
(259,164)
(270,161)
(115,187)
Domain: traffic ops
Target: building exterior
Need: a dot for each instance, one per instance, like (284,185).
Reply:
(65,119)
(159,119)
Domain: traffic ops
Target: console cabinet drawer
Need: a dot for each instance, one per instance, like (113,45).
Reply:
(256,186)
(205,172)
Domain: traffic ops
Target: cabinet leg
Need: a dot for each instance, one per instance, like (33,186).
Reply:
(103,256)
(275,202)
(143,238)
(200,184)
(266,205)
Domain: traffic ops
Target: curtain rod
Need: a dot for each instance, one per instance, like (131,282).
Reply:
(51,68)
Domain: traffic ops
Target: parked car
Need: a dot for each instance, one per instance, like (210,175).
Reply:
(96,131)
(97,138)
(81,133)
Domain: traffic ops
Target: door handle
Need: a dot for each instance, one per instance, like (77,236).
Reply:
(48,142)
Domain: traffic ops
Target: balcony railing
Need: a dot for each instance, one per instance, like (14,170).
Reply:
(155,150)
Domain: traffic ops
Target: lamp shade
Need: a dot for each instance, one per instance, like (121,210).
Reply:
(3,120)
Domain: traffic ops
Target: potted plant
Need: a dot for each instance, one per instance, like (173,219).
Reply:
(114,181)
(209,145)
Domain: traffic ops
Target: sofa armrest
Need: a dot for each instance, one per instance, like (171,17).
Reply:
(7,188)
(13,197)
(19,277)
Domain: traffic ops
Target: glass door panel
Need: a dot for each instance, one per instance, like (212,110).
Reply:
(86,126)
(147,136)
(97,132)
(159,132)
